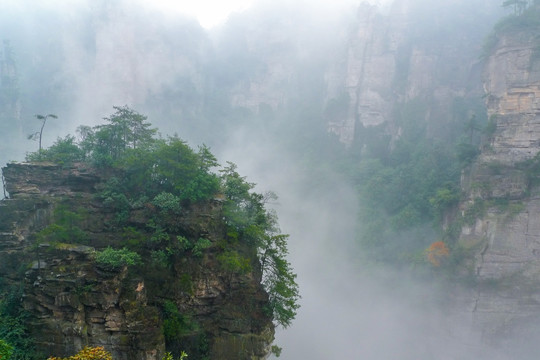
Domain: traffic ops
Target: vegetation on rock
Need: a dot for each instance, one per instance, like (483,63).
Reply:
(88,353)
(437,252)
(151,186)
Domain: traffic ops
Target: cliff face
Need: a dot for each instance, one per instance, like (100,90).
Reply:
(191,303)
(504,231)
(414,52)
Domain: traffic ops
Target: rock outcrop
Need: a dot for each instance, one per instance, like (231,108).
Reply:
(73,301)
(504,234)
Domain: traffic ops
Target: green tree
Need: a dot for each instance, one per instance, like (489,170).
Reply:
(39,134)
(279,278)
(125,129)
(248,221)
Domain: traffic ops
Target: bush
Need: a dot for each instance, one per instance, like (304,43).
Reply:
(5,350)
(437,252)
(63,151)
(167,202)
(175,324)
(88,353)
(199,246)
(233,262)
(113,259)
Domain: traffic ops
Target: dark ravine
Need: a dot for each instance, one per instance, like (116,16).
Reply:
(73,302)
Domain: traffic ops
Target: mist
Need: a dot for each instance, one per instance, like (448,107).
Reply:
(254,89)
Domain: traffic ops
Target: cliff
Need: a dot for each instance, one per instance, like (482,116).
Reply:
(405,55)
(502,206)
(52,228)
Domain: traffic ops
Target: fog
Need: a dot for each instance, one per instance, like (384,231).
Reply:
(351,308)
(78,59)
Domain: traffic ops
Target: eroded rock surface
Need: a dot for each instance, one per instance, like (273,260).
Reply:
(505,236)
(73,302)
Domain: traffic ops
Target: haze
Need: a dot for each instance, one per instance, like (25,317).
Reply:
(253,80)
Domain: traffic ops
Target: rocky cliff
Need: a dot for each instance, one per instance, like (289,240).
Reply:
(188,303)
(414,52)
(503,203)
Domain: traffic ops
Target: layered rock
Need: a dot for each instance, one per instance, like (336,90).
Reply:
(73,301)
(504,235)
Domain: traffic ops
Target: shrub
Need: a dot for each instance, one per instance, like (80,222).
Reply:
(175,324)
(88,353)
(5,350)
(167,202)
(199,246)
(63,152)
(114,259)
(437,252)
(169,356)
(233,262)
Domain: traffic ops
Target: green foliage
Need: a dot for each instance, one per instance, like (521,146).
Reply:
(233,262)
(513,209)
(202,187)
(169,356)
(406,185)
(249,222)
(133,238)
(172,176)
(114,196)
(115,259)
(523,19)
(279,279)
(13,330)
(39,134)
(444,198)
(126,129)
(466,153)
(183,243)
(199,246)
(167,202)
(276,350)
(531,167)
(64,229)
(160,258)
(474,211)
(243,209)
(88,353)
(186,283)
(64,152)
(175,324)
(6,350)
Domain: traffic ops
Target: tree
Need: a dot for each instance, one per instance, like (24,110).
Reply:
(38,135)
(249,221)
(278,278)
(126,129)
(437,252)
